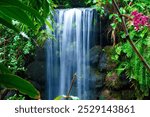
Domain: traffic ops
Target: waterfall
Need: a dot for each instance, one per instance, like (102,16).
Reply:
(68,54)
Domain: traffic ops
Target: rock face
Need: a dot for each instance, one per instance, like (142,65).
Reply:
(94,55)
(105,61)
(36,71)
(97,77)
(100,64)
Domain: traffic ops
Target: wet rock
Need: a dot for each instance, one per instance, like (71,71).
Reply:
(102,61)
(107,94)
(94,55)
(128,94)
(40,54)
(97,77)
(105,61)
(36,72)
(96,81)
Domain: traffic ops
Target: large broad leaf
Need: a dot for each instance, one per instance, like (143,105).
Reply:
(17,14)
(8,24)
(7,21)
(147,1)
(16,82)
(20,5)
(3,69)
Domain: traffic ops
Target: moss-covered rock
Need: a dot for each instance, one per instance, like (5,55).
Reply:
(112,80)
(95,55)
(97,77)
(108,94)
(106,62)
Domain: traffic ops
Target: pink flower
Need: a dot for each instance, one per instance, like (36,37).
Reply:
(134,13)
(139,20)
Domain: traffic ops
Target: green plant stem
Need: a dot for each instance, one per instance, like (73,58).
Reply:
(128,38)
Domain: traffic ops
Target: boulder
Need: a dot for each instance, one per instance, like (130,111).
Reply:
(105,61)
(96,82)
(36,72)
(40,54)
(113,81)
(94,55)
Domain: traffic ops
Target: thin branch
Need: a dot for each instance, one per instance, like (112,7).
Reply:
(126,16)
(72,82)
(128,38)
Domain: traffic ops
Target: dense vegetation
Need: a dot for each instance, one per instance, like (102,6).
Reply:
(21,33)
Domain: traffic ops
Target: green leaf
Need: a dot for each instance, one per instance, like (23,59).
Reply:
(143,32)
(4,69)
(63,96)
(115,57)
(49,25)
(132,34)
(17,14)
(110,16)
(122,10)
(17,3)
(22,85)
(8,24)
(119,19)
(146,1)
(59,97)
(113,25)
(46,8)
(95,1)
(113,15)
(118,50)
(123,35)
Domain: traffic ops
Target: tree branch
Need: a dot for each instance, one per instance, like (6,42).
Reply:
(72,82)
(128,38)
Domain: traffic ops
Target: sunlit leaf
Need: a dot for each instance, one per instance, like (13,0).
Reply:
(16,3)
(59,97)
(8,24)
(17,14)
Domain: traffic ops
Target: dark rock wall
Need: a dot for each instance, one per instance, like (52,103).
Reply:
(36,71)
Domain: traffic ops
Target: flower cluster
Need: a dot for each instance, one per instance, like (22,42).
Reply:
(139,20)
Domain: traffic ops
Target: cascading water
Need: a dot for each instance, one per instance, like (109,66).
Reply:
(69,53)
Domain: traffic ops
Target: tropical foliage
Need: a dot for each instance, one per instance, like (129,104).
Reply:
(31,15)
(14,50)
(21,29)
(27,12)
(8,80)
(136,14)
